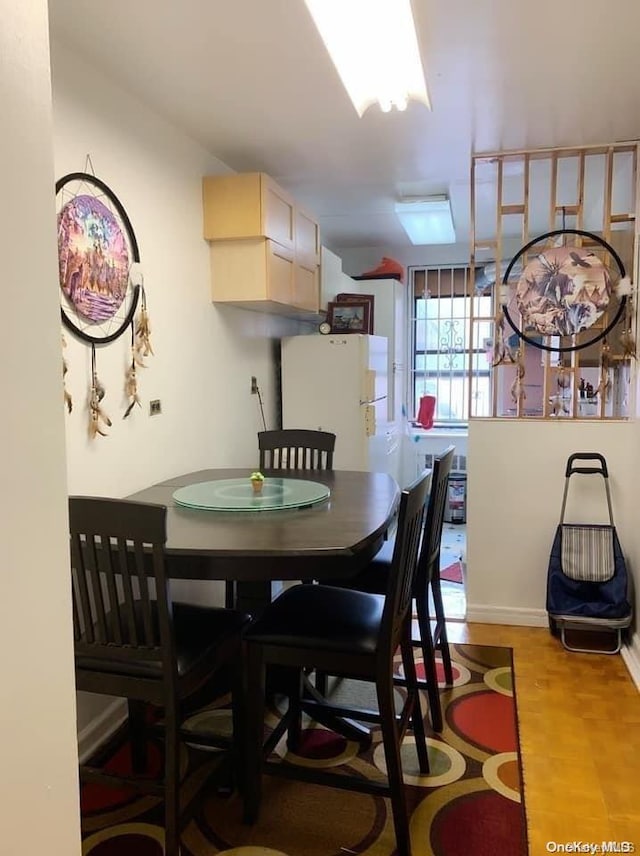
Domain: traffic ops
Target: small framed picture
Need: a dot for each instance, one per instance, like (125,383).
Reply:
(349,317)
(345,297)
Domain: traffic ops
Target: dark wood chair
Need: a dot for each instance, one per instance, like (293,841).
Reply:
(352,635)
(433,631)
(290,449)
(296,449)
(133,642)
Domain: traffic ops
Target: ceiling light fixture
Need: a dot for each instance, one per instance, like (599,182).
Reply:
(427,219)
(374,47)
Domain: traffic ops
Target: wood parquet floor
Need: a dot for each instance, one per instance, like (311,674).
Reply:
(579,717)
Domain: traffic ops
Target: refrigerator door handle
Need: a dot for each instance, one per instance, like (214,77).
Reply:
(372,400)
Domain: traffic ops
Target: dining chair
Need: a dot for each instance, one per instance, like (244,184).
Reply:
(290,449)
(132,641)
(352,635)
(432,631)
(296,449)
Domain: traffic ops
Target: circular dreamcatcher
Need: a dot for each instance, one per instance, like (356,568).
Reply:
(100,282)
(563,290)
(98,258)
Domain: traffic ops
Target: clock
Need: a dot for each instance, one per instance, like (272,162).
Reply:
(324,328)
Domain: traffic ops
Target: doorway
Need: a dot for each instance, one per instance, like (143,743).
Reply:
(453,558)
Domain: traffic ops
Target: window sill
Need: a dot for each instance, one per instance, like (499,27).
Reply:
(439,431)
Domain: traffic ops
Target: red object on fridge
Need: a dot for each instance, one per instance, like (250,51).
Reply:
(426,411)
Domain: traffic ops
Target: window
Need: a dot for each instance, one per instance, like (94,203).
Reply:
(442,353)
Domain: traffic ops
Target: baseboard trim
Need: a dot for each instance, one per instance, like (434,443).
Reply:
(101,728)
(506,615)
(630,653)
(481,614)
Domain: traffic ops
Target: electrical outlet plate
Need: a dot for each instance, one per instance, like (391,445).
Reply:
(155,407)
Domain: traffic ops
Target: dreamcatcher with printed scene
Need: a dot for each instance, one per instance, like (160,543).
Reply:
(102,294)
(563,292)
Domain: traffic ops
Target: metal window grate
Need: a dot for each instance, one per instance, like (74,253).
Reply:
(442,351)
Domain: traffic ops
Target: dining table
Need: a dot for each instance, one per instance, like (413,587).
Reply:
(259,549)
(333,536)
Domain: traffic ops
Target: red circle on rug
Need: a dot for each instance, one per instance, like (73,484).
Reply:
(483,823)
(319,744)
(96,797)
(486,719)
(129,843)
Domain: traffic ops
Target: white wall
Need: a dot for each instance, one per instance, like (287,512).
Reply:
(37,720)
(205,355)
(515,484)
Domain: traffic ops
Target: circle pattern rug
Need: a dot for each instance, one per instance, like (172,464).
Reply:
(470,804)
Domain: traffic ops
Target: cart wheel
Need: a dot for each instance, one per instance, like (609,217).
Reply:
(553,627)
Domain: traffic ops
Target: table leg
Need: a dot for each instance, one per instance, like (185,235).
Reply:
(253,596)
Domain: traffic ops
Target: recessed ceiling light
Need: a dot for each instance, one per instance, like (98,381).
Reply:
(427,220)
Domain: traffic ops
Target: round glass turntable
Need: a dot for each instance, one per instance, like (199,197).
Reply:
(239,495)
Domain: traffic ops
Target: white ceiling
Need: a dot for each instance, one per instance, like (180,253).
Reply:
(251,80)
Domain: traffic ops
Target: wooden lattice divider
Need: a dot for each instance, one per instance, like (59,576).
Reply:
(559,212)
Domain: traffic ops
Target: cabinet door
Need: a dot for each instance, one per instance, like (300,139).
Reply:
(277,213)
(232,206)
(307,236)
(306,287)
(280,282)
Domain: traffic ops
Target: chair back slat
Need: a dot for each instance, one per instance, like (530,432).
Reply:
(149,636)
(429,561)
(120,588)
(296,449)
(128,607)
(411,517)
(112,598)
(89,550)
(81,599)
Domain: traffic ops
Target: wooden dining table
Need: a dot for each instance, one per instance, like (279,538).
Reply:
(259,549)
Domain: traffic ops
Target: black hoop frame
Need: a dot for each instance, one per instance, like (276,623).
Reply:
(66,320)
(567,348)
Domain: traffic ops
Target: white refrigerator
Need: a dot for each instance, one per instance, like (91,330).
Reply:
(338,383)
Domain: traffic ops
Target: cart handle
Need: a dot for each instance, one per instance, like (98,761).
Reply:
(587,456)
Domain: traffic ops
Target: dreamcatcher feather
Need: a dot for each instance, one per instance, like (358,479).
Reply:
(518,394)
(68,401)
(140,348)
(143,332)
(627,337)
(97,416)
(604,382)
(502,352)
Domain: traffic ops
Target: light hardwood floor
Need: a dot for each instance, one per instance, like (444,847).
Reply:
(579,719)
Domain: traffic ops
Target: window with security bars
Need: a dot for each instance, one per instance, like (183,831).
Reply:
(443,354)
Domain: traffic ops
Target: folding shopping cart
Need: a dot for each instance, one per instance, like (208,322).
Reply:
(588,587)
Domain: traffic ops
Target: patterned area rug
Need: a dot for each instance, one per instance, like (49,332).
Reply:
(471,803)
